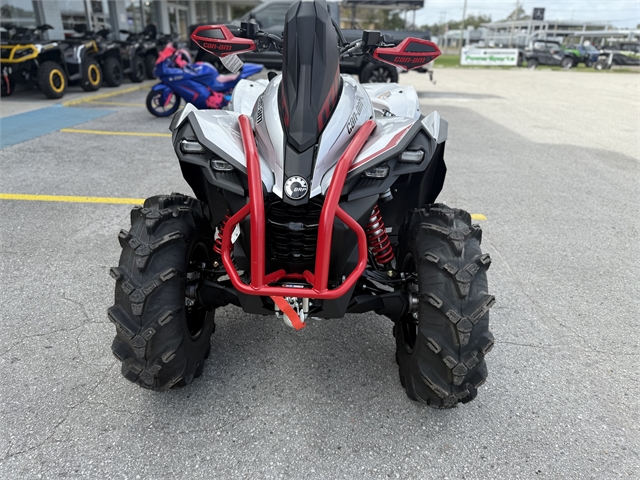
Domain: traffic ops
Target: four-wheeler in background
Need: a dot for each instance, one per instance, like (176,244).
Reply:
(141,46)
(132,56)
(587,54)
(315,197)
(48,65)
(545,52)
(624,54)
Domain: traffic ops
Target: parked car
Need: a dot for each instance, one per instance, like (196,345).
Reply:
(550,53)
(269,17)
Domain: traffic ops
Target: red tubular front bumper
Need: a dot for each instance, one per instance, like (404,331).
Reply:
(255,208)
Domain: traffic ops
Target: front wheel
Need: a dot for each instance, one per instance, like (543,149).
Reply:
(532,64)
(600,65)
(440,347)
(162,107)
(51,80)
(163,332)
(150,65)
(566,63)
(138,71)
(92,76)
(113,72)
(378,73)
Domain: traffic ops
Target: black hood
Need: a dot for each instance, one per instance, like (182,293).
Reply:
(311,72)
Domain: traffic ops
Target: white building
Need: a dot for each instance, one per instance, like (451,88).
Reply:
(169,16)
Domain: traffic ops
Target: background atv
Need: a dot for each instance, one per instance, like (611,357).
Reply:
(587,54)
(315,198)
(81,64)
(107,55)
(138,54)
(550,53)
(25,58)
(626,54)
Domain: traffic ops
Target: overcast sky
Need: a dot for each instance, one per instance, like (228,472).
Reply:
(620,13)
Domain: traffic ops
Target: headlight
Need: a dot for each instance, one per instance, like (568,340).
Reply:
(188,146)
(412,156)
(380,171)
(220,165)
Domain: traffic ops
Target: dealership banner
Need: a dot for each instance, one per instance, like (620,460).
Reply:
(489,56)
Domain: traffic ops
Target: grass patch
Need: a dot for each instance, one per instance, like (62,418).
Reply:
(453,61)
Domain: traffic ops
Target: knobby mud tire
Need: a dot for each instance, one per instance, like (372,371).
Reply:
(441,353)
(160,341)
(112,72)
(150,65)
(138,71)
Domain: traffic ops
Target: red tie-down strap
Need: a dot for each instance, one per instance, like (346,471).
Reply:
(288,310)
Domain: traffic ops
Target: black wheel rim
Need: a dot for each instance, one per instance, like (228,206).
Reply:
(56,81)
(409,325)
(195,312)
(380,75)
(140,70)
(115,71)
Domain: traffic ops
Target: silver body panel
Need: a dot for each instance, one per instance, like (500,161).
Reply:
(353,109)
(400,100)
(396,110)
(270,134)
(245,94)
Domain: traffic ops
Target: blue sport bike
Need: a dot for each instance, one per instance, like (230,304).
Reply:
(197,83)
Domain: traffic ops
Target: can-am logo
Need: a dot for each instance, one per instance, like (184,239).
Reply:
(216,46)
(296,187)
(353,119)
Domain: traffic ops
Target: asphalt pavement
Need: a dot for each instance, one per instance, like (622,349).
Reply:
(562,397)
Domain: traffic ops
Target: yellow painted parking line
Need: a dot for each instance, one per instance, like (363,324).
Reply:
(71,199)
(100,96)
(104,132)
(117,104)
(112,200)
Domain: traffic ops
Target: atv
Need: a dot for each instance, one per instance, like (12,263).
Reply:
(139,53)
(314,198)
(26,58)
(626,54)
(551,53)
(81,64)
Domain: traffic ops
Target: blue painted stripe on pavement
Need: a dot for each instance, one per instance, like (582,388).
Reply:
(27,126)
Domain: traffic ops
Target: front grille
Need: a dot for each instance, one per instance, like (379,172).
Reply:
(292,235)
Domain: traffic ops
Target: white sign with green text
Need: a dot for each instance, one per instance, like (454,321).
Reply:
(489,56)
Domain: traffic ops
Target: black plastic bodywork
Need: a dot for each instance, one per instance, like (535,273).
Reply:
(412,185)
(311,73)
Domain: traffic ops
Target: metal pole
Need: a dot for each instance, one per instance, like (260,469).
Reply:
(464,14)
(513,23)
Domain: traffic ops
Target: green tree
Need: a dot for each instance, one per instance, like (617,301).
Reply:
(517,14)
(474,21)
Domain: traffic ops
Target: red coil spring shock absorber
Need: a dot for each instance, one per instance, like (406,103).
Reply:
(217,246)
(378,239)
